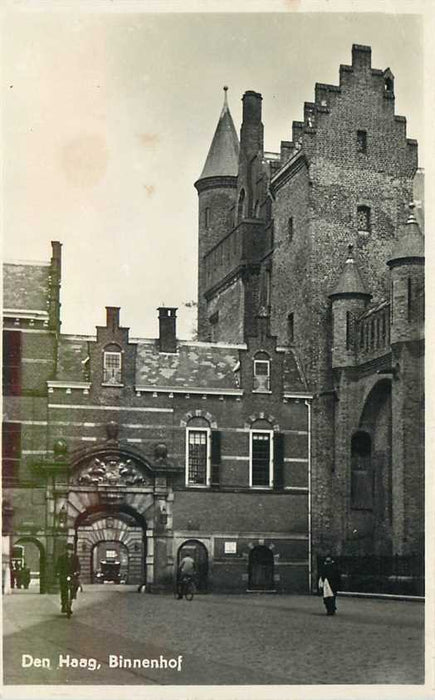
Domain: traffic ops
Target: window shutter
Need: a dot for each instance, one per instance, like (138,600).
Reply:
(278,460)
(215,456)
(11,363)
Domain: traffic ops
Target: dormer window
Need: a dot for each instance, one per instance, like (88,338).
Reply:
(262,373)
(112,365)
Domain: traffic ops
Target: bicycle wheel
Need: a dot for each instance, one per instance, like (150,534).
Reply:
(69,602)
(189,591)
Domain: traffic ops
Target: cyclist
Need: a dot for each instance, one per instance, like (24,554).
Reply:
(67,565)
(186,571)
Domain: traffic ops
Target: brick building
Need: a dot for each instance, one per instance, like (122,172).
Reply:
(293,426)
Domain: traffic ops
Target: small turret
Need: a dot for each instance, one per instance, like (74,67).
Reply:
(407,282)
(349,299)
(216,188)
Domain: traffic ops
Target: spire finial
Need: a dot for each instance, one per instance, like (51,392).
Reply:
(226,96)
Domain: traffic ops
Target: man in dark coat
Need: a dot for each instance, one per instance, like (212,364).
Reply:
(67,564)
(330,580)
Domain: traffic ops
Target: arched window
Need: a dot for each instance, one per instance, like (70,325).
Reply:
(361,472)
(241,206)
(261,372)
(261,455)
(363,219)
(198,447)
(112,364)
(290,228)
(207,217)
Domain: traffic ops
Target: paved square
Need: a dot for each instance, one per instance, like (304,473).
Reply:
(222,639)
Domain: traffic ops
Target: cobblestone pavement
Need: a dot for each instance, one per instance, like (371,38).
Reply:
(240,639)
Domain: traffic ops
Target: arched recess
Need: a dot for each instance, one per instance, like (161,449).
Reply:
(371,450)
(199,554)
(112,523)
(42,558)
(261,569)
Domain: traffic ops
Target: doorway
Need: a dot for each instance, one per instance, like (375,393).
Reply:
(199,554)
(261,569)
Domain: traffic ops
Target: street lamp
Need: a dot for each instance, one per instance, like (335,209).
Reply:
(55,472)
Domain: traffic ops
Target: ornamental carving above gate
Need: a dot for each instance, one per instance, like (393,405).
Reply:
(111,471)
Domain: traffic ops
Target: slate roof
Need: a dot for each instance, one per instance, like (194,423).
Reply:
(194,366)
(410,242)
(350,280)
(25,286)
(73,350)
(223,155)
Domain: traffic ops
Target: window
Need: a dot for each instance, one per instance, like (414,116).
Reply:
(290,228)
(112,366)
(361,472)
(348,330)
(214,327)
(262,373)
(290,328)
(240,206)
(261,462)
(363,219)
(11,451)
(207,217)
(198,457)
(11,363)
(361,141)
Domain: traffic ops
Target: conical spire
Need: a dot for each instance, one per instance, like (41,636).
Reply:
(223,156)
(350,281)
(410,242)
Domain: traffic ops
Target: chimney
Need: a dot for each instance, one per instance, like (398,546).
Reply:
(251,133)
(167,329)
(54,286)
(112,317)
(361,57)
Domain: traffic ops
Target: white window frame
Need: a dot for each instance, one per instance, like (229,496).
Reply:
(106,353)
(251,441)
(207,431)
(262,391)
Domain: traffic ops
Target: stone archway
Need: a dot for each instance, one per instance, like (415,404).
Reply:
(371,479)
(112,479)
(27,539)
(119,526)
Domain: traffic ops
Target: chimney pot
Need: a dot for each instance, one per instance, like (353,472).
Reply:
(167,329)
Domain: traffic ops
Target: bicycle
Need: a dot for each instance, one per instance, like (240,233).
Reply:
(185,587)
(70,594)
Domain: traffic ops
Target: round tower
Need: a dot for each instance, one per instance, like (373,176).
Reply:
(407,282)
(216,186)
(349,299)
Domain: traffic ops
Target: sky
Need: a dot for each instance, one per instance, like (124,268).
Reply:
(107,121)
